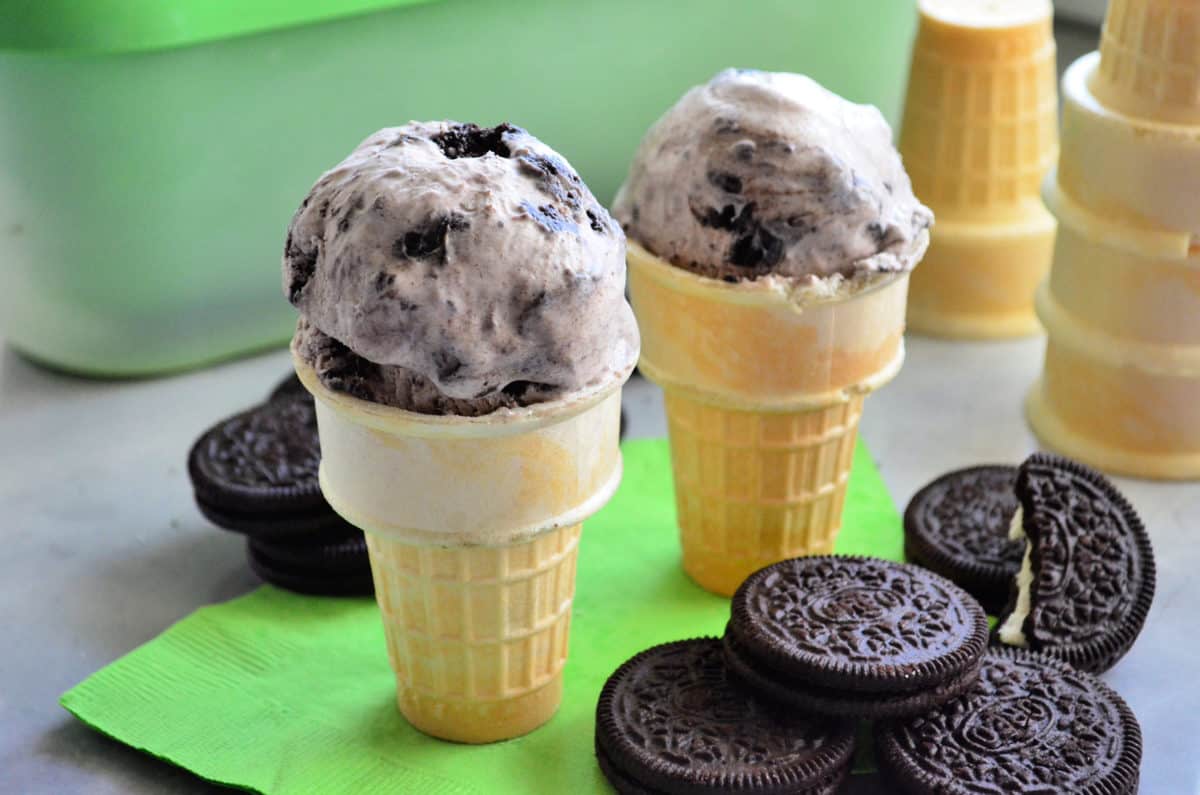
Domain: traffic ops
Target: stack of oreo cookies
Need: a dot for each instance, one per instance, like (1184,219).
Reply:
(855,637)
(255,473)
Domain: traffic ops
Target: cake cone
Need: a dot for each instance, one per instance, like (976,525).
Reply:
(978,137)
(477,635)
(472,525)
(764,389)
(1150,60)
(1121,385)
(1120,389)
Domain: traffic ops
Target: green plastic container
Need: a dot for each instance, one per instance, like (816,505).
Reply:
(152,151)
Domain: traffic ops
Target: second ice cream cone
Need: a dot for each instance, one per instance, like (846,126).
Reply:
(979,135)
(753,488)
(1121,385)
(764,391)
(772,230)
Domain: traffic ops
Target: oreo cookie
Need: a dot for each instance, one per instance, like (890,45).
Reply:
(670,720)
(336,553)
(1031,724)
(289,387)
(855,637)
(1088,578)
(957,526)
(256,472)
(338,567)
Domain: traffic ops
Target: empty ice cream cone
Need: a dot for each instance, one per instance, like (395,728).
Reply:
(1139,173)
(1150,60)
(1121,384)
(979,135)
(764,391)
(472,525)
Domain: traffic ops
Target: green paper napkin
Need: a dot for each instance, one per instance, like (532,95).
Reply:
(279,693)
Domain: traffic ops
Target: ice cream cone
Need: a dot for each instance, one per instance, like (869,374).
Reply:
(1150,60)
(1137,172)
(764,388)
(478,635)
(472,526)
(978,136)
(1121,385)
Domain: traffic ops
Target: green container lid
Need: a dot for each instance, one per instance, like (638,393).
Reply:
(120,26)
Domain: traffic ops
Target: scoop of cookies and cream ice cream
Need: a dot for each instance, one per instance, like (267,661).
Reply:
(761,173)
(448,268)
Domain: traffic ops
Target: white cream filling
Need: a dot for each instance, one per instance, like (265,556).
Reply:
(1012,630)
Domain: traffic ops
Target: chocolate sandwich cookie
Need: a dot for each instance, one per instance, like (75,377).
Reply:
(855,637)
(289,387)
(670,720)
(256,472)
(1031,724)
(338,567)
(957,526)
(1088,577)
(339,552)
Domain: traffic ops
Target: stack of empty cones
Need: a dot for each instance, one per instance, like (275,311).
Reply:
(1121,386)
(978,137)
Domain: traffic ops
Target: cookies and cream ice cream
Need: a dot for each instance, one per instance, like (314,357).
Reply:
(759,173)
(448,268)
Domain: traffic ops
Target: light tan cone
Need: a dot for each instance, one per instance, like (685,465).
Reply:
(1121,385)
(1149,64)
(763,395)
(978,136)
(472,526)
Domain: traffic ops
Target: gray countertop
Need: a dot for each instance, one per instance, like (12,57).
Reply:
(102,548)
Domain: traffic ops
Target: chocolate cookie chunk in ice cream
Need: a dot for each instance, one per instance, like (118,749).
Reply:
(759,173)
(449,268)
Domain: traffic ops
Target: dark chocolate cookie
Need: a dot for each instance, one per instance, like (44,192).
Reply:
(800,695)
(865,628)
(289,387)
(256,472)
(1031,725)
(278,524)
(1091,562)
(332,570)
(957,526)
(670,720)
(335,553)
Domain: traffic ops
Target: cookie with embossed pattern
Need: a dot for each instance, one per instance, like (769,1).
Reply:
(855,636)
(1031,725)
(957,526)
(671,720)
(288,387)
(1088,578)
(798,694)
(322,566)
(256,472)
